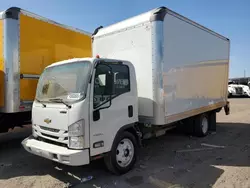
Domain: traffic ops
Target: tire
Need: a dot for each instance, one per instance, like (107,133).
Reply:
(4,129)
(115,160)
(202,125)
(3,125)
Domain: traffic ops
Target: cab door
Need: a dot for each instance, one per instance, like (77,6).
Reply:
(110,99)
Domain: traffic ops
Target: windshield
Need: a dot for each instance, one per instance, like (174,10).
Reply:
(67,82)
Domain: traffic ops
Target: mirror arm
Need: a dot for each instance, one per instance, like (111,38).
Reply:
(110,103)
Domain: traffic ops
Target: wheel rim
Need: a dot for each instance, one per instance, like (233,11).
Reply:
(204,124)
(124,152)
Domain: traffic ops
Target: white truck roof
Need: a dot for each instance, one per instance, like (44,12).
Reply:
(91,59)
(147,17)
(73,60)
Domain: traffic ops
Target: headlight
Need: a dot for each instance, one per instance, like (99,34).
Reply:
(231,89)
(34,131)
(76,142)
(76,135)
(77,129)
(246,88)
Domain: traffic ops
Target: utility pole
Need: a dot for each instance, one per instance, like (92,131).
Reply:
(244,73)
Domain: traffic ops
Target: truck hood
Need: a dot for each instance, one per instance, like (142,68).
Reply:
(235,85)
(238,85)
(54,116)
(232,87)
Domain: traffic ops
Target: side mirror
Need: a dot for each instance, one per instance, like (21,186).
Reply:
(106,76)
(104,89)
(110,84)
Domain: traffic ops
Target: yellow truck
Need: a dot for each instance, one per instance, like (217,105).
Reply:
(28,44)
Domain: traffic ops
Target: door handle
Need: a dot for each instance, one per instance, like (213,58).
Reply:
(130,111)
(96,115)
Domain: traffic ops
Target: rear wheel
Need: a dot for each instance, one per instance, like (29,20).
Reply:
(202,125)
(123,154)
(4,129)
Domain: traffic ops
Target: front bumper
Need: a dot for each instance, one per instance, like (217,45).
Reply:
(56,153)
(243,93)
(246,93)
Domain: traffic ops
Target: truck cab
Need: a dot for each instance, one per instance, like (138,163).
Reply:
(237,89)
(74,116)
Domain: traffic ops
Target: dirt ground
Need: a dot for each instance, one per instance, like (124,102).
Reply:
(161,162)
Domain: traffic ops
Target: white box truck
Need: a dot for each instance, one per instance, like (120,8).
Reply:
(236,89)
(150,72)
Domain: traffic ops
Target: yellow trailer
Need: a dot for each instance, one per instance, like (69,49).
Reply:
(29,43)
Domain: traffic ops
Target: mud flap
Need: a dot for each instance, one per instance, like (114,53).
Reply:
(227,108)
(212,121)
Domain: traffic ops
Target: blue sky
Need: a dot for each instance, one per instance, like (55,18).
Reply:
(227,17)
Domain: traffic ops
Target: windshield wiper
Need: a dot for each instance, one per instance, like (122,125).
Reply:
(44,105)
(58,100)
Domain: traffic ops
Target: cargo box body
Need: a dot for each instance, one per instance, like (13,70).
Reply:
(181,66)
(29,43)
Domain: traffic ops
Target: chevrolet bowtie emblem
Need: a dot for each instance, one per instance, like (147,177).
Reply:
(47,120)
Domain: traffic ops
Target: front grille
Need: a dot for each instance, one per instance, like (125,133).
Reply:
(239,90)
(49,129)
(51,142)
(51,136)
(54,135)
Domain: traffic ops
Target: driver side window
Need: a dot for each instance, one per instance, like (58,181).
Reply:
(110,81)
(101,88)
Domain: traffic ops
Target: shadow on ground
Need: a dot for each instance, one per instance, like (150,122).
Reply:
(159,164)
(15,134)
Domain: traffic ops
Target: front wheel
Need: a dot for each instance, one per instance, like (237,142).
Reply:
(123,154)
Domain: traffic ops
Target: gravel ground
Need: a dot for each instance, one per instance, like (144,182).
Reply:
(159,166)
